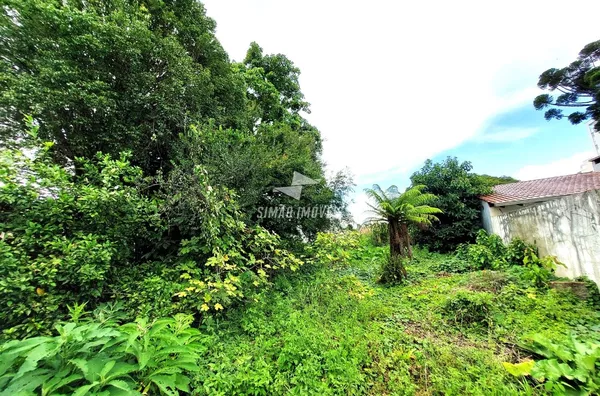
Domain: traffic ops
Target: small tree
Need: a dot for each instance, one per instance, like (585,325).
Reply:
(399,211)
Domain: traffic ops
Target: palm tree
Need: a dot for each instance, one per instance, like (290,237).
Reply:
(399,211)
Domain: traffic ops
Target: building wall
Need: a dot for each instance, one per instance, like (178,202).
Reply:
(566,227)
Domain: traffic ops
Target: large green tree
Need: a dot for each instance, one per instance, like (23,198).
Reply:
(114,75)
(458,190)
(151,78)
(577,85)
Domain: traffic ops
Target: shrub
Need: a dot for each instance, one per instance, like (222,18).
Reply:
(335,248)
(142,357)
(478,256)
(570,366)
(492,281)
(493,242)
(100,231)
(538,270)
(593,290)
(466,307)
(516,251)
(66,234)
(454,265)
(378,234)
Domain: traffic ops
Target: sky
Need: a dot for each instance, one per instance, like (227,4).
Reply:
(392,84)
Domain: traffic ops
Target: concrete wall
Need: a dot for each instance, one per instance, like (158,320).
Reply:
(566,227)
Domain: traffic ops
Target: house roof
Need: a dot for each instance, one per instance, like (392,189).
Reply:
(542,189)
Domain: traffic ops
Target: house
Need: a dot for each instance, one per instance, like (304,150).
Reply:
(560,215)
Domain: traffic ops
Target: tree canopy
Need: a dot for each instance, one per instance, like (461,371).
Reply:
(577,85)
(152,79)
(458,190)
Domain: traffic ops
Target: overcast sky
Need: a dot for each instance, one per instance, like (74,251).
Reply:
(392,84)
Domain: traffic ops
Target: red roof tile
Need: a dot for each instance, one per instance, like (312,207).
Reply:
(544,188)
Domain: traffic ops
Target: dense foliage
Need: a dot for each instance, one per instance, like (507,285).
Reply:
(151,79)
(458,190)
(112,76)
(93,235)
(577,85)
(102,358)
(135,258)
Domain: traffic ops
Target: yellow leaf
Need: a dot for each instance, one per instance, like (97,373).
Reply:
(519,369)
(40,291)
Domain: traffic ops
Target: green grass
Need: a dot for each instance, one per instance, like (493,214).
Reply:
(333,330)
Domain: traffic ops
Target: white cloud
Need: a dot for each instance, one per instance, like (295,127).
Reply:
(506,135)
(558,167)
(394,83)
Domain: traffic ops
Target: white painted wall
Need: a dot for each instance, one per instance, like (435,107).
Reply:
(566,227)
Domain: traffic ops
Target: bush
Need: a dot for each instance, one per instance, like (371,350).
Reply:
(491,281)
(490,253)
(66,234)
(539,270)
(593,290)
(143,357)
(458,190)
(516,251)
(570,366)
(335,248)
(493,242)
(102,231)
(379,234)
(455,265)
(466,307)
(478,256)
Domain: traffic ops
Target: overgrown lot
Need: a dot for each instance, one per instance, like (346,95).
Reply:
(333,329)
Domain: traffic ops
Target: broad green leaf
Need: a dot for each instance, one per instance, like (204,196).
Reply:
(83,390)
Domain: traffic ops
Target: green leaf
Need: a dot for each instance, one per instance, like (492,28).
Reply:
(28,383)
(120,384)
(83,390)
(58,382)
(34,356)
(166,383)
(120,370)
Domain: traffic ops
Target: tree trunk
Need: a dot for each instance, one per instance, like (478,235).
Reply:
(405,235)
(395,239)
(397,244)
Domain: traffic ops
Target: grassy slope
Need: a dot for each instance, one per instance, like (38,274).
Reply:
(336,331)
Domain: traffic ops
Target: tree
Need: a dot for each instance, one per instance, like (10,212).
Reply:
(253,164)
(399,211)
(458,191)
(274,90)
(578,85)
(112,76)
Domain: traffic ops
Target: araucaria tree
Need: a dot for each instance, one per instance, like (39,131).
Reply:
(578,86)
(399,211)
